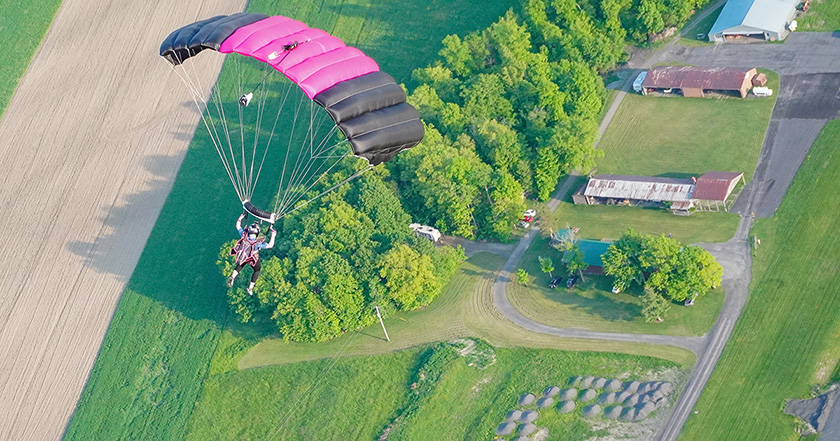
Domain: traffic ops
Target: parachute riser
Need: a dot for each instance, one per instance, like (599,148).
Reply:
(258,213)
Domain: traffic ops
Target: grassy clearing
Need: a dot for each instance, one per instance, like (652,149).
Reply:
(786,339)
(591,305)
(464,309)
(360,396)
(23,25)
(823,16)
(681,137)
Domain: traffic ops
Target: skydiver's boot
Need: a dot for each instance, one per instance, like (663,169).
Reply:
(231,279)
(251,289)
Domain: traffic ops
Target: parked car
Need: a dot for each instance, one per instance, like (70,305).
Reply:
(571,282)
(426,231)
(554,282)
(523,224)
(529,213)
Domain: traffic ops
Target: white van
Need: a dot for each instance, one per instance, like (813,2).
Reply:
(762,91)
(426,231)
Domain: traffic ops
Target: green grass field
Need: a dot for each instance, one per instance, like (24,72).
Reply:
(591,305)
(681,137)
(359,396)
(23,24)
(824,16)
(786,339)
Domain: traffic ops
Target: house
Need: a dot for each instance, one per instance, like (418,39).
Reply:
(768,20)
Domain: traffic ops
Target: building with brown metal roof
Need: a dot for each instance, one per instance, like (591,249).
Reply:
(695,81)
(708,193)
(713,189)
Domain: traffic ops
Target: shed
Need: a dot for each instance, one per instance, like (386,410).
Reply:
(635,190)
(693,81)
(761,19)
(713,189)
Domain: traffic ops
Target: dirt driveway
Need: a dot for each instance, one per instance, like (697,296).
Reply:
(92,141)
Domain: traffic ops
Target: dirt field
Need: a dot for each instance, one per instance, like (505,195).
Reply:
(92,140)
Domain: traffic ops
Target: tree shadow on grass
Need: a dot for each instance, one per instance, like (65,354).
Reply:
(596,301)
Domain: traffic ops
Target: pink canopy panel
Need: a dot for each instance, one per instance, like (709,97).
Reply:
(319,62)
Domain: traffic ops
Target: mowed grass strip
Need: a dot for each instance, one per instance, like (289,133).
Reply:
(355,398)
(156,354)
(681,137)
(786,339)
(590,304)
(23,25)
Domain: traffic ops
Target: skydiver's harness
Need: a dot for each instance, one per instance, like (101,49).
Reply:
(246,250)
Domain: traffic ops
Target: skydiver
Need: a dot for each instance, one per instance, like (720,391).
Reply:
(247,250)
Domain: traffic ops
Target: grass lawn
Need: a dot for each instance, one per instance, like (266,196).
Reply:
(359,396)
(786,339)
(681,137)
(591,305)
(23,24)
(823,16)
(689,35)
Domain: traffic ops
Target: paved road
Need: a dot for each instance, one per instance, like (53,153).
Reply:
(92,140)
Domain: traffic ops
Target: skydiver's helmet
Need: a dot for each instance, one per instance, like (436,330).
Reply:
(253,230)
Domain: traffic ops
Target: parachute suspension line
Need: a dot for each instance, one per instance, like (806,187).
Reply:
(220,108)
(280,108)
(242,131)
(301,193)
(196,96)
(353,176)
(261,104)
(295,190)
(294,175)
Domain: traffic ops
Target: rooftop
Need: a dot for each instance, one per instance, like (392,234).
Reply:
(639,188)
(692,77)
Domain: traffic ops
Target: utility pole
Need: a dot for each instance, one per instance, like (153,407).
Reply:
(382,323)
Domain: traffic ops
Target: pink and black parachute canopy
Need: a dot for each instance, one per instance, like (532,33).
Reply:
(365,103)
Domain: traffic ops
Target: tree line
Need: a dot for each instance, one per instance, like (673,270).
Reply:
(514,107)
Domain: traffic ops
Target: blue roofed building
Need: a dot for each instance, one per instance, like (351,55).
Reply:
(764,19)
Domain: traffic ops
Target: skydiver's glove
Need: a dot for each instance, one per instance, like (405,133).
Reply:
(243,215)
